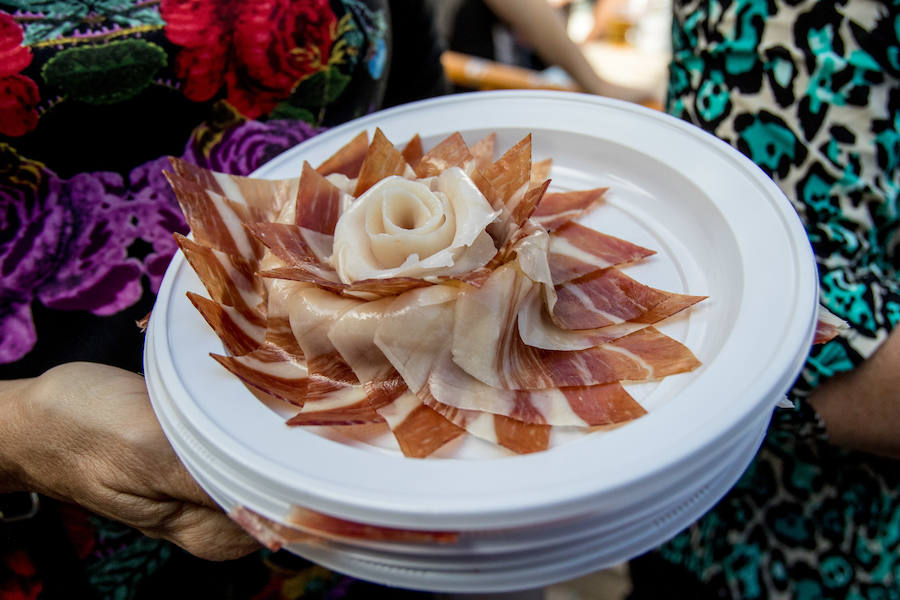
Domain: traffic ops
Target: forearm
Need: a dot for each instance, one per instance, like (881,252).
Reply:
(545,30)
(861,409)
(12,399)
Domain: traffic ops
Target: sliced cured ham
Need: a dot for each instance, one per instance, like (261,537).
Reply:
(264,194)
(576,250)
(287,242)
(450,152)
(419,430)
(441,292)
(557,209)
(308,526)
(229,279)
(483,151)
(609,297)
(828,326)
(318,202)
(217,221)
(348,160)
(487,345)
(412,152)
(381,160)
(518,436)
(272,370)
(239,335)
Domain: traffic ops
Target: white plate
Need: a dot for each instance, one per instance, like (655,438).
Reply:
(479,546)
(500,571)
(721,228)
(529,566)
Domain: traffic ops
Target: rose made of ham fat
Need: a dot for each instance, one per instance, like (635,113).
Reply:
(424,228)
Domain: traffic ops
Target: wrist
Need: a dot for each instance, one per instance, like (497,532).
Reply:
(12,400)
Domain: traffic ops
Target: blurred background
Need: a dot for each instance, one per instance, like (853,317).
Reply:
(499,44)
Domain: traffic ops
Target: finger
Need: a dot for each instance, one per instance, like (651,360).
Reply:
(207,533)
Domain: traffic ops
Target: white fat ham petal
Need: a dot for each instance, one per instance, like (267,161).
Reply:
(412,332)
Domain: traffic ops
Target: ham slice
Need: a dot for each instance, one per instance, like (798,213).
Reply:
(271,370)
(610,297)
(348,160)
(318,202)
(450,152)
(412,153)
(308,526)
(382,160)
(557,209)
(239,335)
(828,326)
(229,279)
(576,250)
(264,194)
(217,221)
(487,345)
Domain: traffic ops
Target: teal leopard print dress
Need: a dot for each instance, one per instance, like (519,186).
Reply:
(809,91)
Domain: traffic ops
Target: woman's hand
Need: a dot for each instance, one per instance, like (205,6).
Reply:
(86,433)
(861,409)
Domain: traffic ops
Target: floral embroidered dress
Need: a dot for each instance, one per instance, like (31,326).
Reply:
(94,94)
(810,91)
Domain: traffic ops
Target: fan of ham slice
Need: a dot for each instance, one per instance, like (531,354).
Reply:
(543,336)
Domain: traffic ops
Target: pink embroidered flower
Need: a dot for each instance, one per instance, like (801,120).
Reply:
(258,49)
(19,94)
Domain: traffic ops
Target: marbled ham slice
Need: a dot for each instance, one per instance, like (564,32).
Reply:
(609,297)
(538,330)
(576,250)
(450,152)
(419,430)
(483,151)
(265,194)
(487,344)
(517,436)
(229,279)
(510,174)
(272,370)
(584,406)
(287,242)
(349,159)
(367,289)
(217,221)
(382,160)
(239,335)
(557,209)
(412,152)
(540,171)
(308,526)
(318,202)
(828,326)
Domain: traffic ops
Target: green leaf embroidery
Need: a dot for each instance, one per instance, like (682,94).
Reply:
(320,89)
(105,74)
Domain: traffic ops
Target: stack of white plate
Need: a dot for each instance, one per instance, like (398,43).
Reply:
(721,228)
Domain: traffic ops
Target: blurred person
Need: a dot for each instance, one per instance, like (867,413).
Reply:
(93,97)
(809,91)
(542,30)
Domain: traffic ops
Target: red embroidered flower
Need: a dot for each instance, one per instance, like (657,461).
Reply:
(19,94)
(257,49)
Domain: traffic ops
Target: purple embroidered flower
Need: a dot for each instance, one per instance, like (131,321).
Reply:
(87,243)
(249,145)
(29,239)
(93,270)
(156,209)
